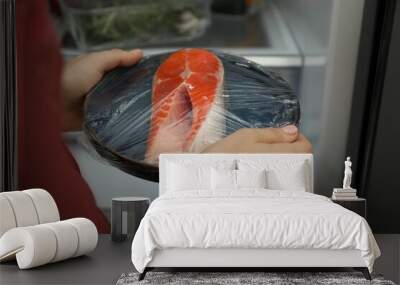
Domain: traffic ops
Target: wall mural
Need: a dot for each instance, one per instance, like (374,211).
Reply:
(124,109)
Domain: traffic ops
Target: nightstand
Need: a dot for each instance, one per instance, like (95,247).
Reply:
(358,205)
(126,214)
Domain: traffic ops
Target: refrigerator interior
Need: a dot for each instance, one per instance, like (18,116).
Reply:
(313,44)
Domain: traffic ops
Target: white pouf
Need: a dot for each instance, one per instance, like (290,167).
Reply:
(40,244)
(31,231)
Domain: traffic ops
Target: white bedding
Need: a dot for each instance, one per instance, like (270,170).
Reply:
(251,218)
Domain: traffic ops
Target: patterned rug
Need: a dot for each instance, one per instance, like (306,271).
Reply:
(244,278)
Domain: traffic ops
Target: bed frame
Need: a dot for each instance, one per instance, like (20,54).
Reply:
(245,259)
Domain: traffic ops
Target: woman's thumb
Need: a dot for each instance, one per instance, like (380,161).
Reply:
(286,134)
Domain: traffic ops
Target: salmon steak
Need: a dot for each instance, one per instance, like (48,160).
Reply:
(181,102)
(186,101)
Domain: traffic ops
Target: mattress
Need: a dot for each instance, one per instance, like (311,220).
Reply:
(252,219)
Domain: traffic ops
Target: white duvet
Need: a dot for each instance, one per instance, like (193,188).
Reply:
(250,219)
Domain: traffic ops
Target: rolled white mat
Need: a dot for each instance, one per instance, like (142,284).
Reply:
(45,205)
(40,244)
(33,246)
(87,234)
(23,208)
(7,218)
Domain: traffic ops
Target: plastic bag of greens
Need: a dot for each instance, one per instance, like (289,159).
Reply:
(98,24)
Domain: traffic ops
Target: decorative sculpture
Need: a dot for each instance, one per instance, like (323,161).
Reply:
(347,174)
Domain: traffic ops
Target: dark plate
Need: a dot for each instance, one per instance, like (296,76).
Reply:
(118,110)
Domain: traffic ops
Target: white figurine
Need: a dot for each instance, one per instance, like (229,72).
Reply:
(347,174)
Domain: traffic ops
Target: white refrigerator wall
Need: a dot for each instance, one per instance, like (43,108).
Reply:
(105,180)
(327,34)
(309,22)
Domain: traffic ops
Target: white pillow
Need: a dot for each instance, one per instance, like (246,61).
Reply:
(292,179)
(251,178)
(282,174)
(183,177)
(223,179)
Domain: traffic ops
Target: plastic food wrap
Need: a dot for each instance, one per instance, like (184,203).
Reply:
(182,102)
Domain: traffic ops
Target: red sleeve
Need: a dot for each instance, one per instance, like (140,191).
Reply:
(44,160)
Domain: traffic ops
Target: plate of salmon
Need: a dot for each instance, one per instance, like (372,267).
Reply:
(180,102)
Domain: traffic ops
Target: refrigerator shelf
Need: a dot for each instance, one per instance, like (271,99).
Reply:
(263,37)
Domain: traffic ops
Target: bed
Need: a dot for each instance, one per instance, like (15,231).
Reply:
(246,211)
